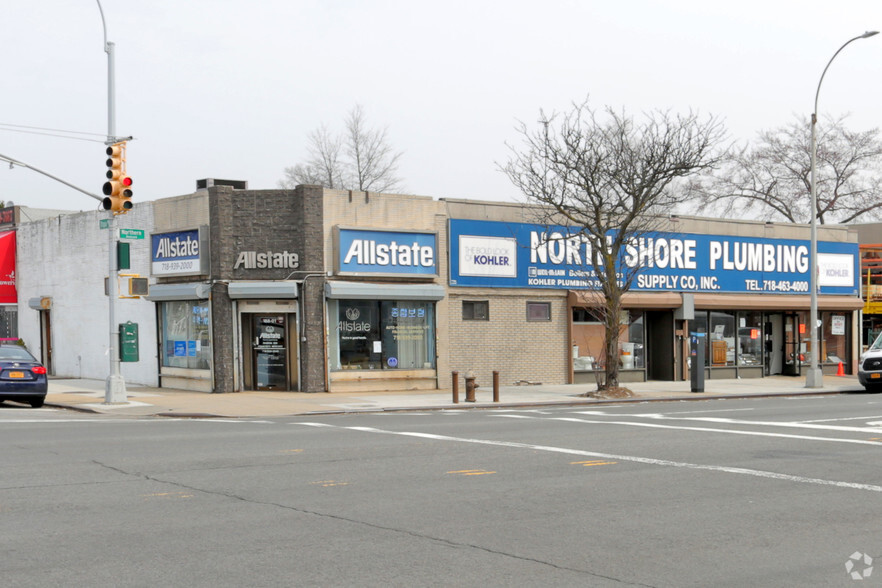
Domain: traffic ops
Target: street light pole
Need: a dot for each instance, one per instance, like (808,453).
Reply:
(814,378)
(115,386)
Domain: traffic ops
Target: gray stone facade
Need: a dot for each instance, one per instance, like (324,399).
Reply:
(267,220)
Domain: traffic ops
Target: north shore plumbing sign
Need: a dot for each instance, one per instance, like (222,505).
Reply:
(519,255)
(389,253)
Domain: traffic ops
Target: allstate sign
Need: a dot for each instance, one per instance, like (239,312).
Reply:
(389,253)
(180,253)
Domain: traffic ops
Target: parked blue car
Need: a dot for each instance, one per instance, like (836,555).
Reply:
(22,377)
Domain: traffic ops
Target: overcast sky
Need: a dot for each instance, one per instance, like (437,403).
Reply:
(231,88)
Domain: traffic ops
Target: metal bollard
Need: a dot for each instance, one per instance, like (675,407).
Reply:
(455,387)
(495,386)
(471,385)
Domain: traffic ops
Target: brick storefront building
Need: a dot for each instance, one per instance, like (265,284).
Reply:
(327,290)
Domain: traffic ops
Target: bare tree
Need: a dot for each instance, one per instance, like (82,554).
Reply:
(360,158)
(323,167)
(372,161)
(772,178)
(606,177)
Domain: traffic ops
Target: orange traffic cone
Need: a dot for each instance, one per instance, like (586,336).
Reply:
(841,370)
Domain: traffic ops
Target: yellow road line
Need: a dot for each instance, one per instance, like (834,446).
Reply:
(471,472)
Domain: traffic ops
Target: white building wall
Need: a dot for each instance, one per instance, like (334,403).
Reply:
(67,258)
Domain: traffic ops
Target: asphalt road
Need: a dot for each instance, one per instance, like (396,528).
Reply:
(760,492)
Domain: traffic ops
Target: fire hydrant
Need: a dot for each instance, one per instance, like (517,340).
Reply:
(471,386)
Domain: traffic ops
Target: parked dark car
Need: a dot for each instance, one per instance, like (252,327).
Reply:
(22,376)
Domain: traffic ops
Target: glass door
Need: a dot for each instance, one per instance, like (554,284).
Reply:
(269,352)
(792,355)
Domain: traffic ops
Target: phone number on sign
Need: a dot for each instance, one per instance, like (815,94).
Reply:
(187,265)
(776,285)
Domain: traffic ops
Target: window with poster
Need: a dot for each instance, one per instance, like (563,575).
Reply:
(835,331)
(381,334)
(186,333)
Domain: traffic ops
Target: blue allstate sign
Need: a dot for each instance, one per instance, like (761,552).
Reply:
(397,253)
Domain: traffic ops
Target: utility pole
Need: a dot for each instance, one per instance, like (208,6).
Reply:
(115,386)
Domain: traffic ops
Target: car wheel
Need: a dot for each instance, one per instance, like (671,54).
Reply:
(36,402)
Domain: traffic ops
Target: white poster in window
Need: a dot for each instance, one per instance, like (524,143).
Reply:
(837,324)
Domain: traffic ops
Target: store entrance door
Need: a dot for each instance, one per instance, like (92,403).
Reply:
(269,349)
(46,340)
(792,352)
(661,355)
(782,345)
(270,362)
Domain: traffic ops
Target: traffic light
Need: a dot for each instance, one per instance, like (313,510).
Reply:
(118,187)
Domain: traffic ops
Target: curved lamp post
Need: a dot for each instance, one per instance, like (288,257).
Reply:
(814,378)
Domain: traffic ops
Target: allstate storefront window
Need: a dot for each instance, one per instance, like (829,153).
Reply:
(382,334)
(186,334)
(387,325)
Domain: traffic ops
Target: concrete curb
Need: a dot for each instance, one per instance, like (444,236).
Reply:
(691,397)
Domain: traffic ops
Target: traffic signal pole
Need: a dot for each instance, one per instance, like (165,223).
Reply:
(115,386)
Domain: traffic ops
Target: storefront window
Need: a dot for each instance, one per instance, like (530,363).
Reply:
(382,334)
(589,340)
(750,338)
(722,338)
(834,337)
(633,352)
(186,334)
(358,334)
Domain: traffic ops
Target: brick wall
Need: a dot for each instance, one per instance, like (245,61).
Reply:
(518,349)
(267,220)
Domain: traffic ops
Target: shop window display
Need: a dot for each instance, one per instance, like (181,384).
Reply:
(834,338)
(633,351)
(750,338)
(589,337)
(186,334)
(722,337)
(381,334)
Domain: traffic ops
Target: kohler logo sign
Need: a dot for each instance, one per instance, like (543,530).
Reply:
(267,260)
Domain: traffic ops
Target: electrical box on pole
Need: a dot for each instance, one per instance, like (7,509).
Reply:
(128,341)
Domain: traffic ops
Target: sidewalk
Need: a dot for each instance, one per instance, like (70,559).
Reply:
(88,396)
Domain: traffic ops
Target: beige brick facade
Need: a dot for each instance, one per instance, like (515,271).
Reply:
(535,351)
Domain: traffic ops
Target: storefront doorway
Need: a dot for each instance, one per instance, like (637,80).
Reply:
(782,351)
(269,342)
(661,354)
(46,341)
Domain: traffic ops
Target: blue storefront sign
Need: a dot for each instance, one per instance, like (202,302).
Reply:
(520,255)
(390,253)
(180,253)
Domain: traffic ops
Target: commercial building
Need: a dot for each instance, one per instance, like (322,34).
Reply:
(328,290)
